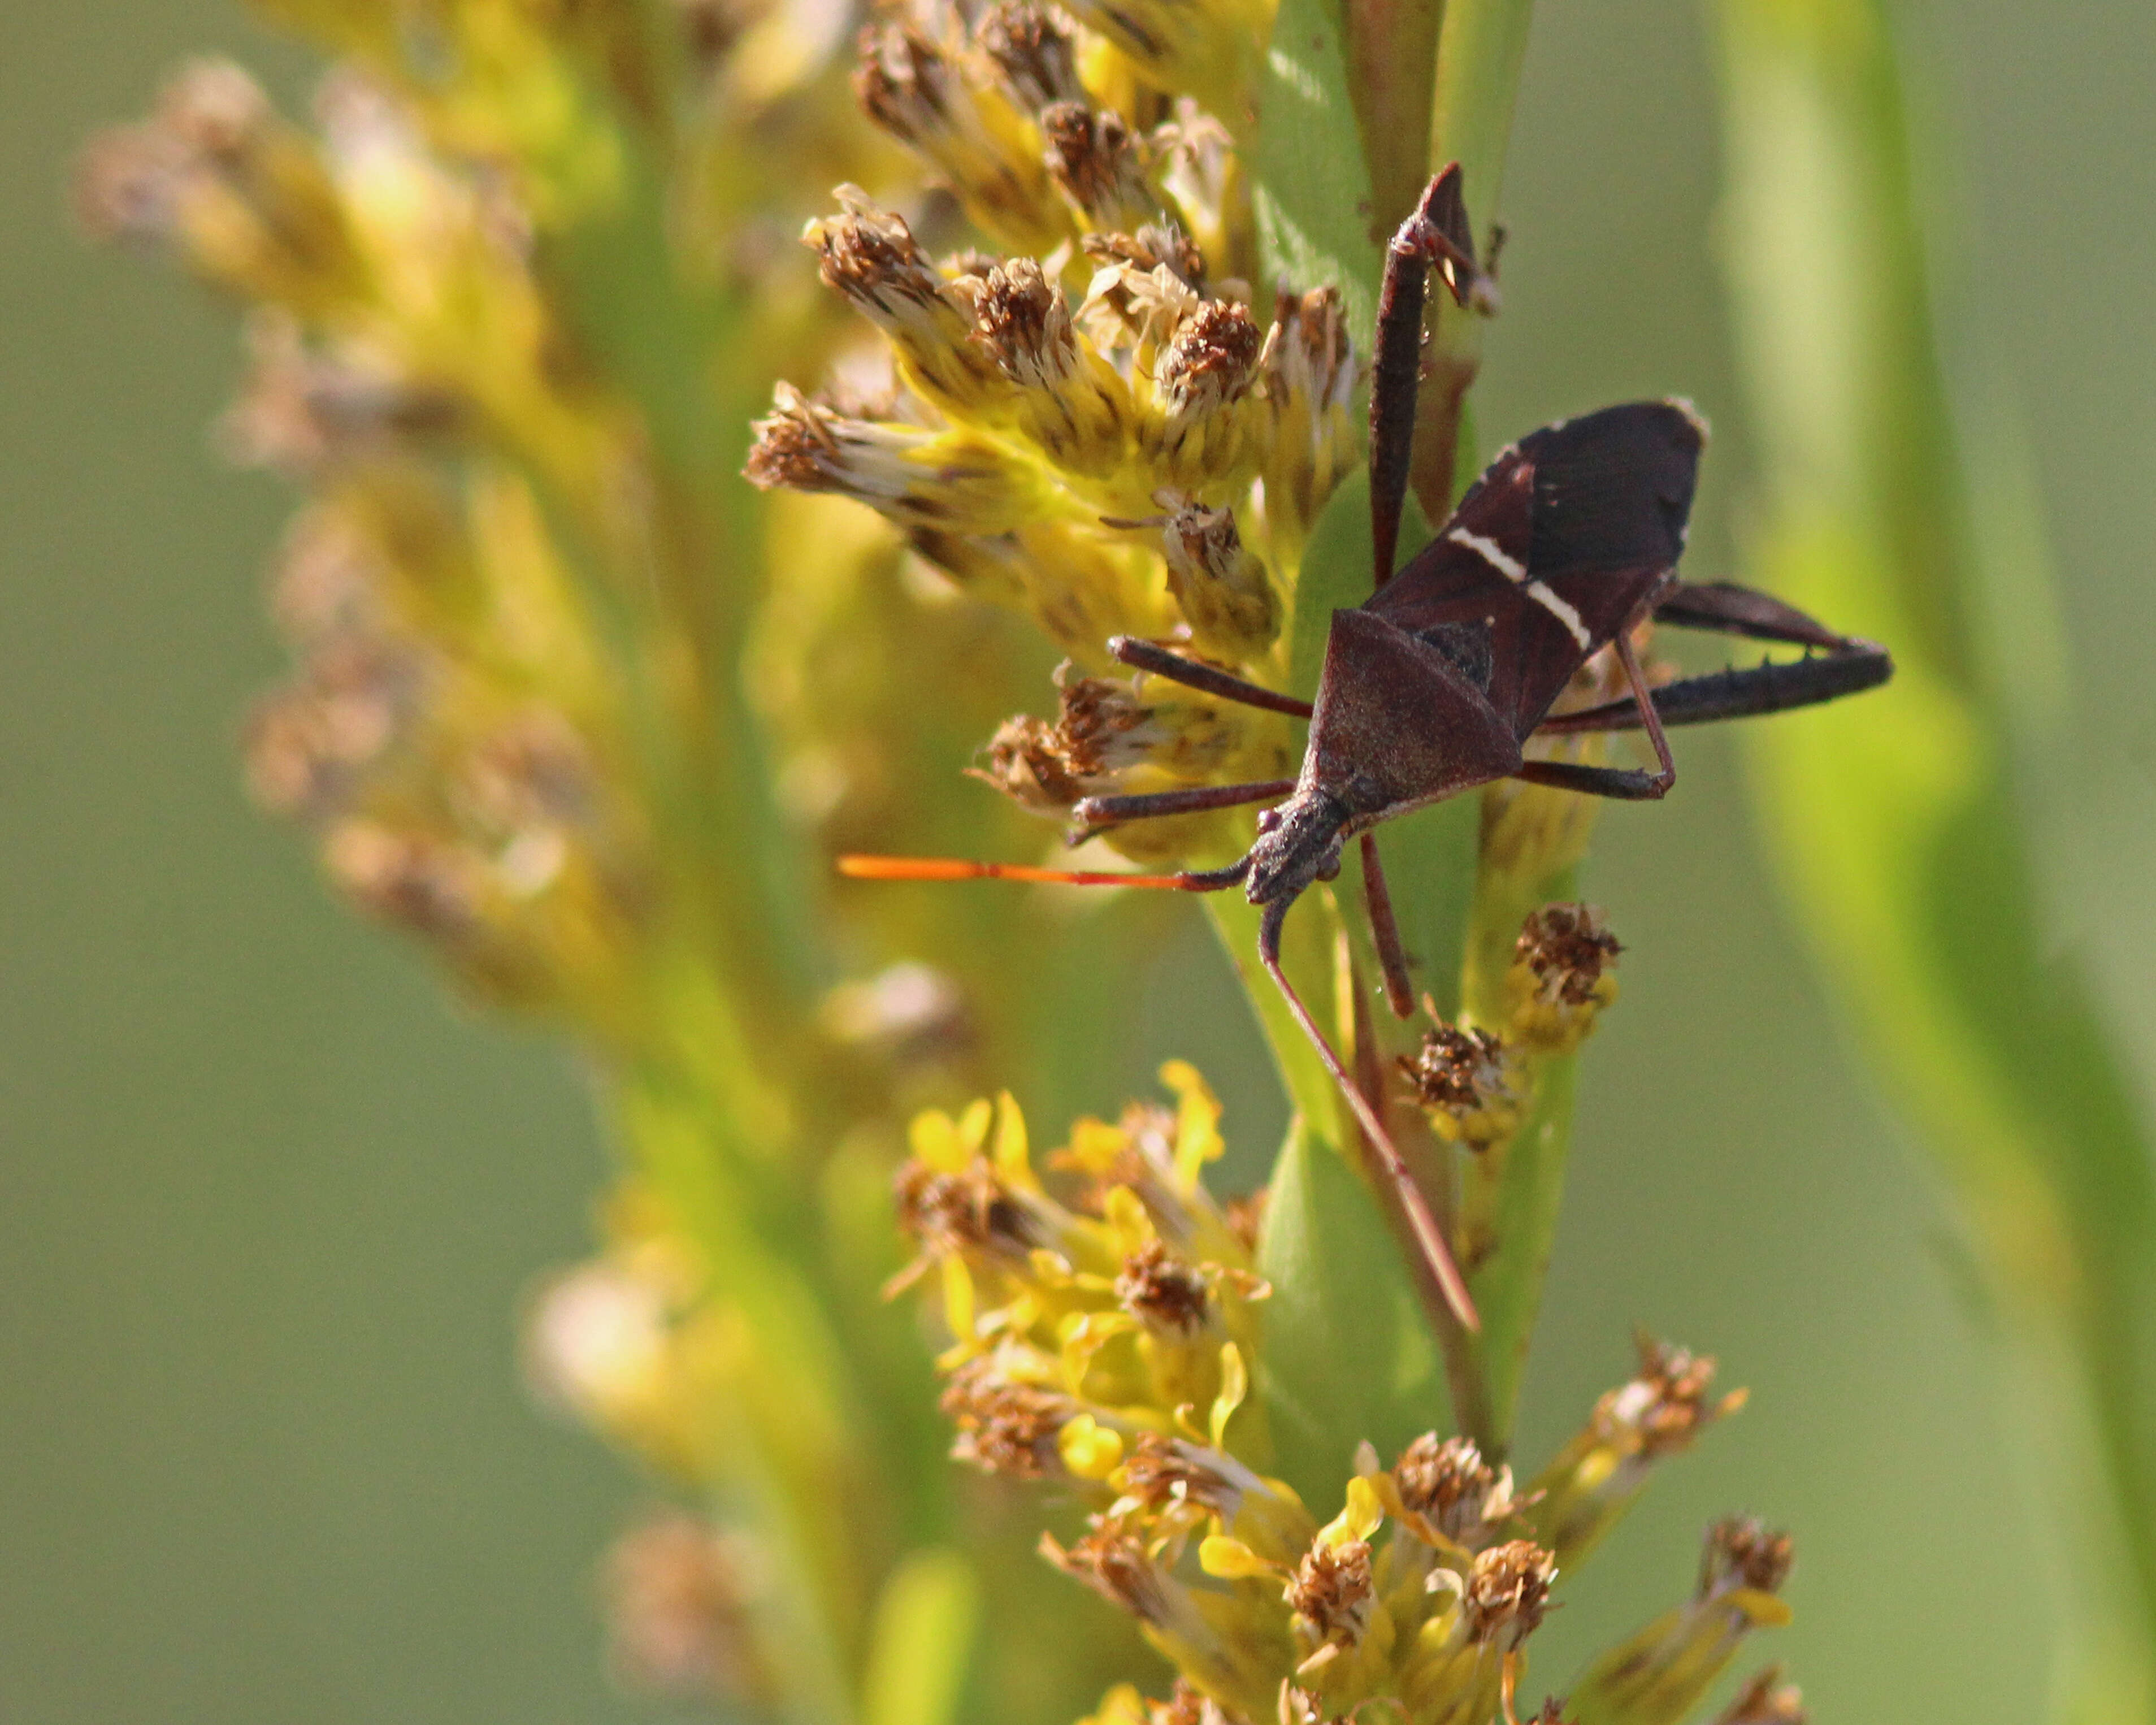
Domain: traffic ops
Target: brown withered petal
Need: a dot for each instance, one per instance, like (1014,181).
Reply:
(1003,1427)
(1163,1292)
(1742,1552)
(1567,948)
(1508,1593)
(1334,1588)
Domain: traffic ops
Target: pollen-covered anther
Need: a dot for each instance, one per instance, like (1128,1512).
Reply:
(1561,976)
(1224,589)
(1333,1589)
(1163,1292)
(1463,1079)
(1004,1426)
(1093,158)
(1031,46)
(1448,1485)
(1740,1551)
(1508,1593)
(868,254)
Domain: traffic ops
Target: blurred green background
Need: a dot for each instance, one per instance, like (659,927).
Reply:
(268,1200)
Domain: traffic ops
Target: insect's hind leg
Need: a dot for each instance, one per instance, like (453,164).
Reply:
(1726,608)
(1838,665)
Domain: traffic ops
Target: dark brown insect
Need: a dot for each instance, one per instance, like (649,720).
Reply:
(1567,542)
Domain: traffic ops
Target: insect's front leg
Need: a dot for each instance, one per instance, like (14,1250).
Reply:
(1436,235)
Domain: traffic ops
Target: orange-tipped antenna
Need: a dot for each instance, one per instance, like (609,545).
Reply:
(954,868)
(1435,1252)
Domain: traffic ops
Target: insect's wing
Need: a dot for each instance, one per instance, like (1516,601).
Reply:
(1552,550)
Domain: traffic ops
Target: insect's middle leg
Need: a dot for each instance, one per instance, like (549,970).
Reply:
(1094,813)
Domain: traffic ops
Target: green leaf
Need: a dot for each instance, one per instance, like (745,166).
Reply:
(1348,1355)
(921,1640)
(1311,191)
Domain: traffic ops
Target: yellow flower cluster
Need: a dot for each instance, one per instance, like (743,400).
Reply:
(1099,430)
(1107,1345)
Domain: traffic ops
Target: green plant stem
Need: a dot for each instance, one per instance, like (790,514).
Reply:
(1902,825)
(1480,53)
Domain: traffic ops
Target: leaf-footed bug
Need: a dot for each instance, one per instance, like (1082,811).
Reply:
(1567,542)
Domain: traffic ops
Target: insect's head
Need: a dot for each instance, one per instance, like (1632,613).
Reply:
(1298,843)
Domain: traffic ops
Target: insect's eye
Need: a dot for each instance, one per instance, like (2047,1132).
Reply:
(1268,818)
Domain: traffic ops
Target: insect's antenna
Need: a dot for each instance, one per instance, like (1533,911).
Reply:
(1428,1235)
(953,868)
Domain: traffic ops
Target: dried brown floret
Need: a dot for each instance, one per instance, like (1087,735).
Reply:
(1093,157)
(1002,1426)
(1113,1563)
(1508,1593)
(1451,1487)
(1567,948)
(1666,1406)
(1151,246)
(1162,1292)
(1766,1700)
(1740,1551)
(1022,321)
(1160,1473)
(1334,1589)
(1211,360)
(971,1210)
(1032,47)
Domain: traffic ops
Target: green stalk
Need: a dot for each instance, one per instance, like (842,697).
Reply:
(1902,824)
